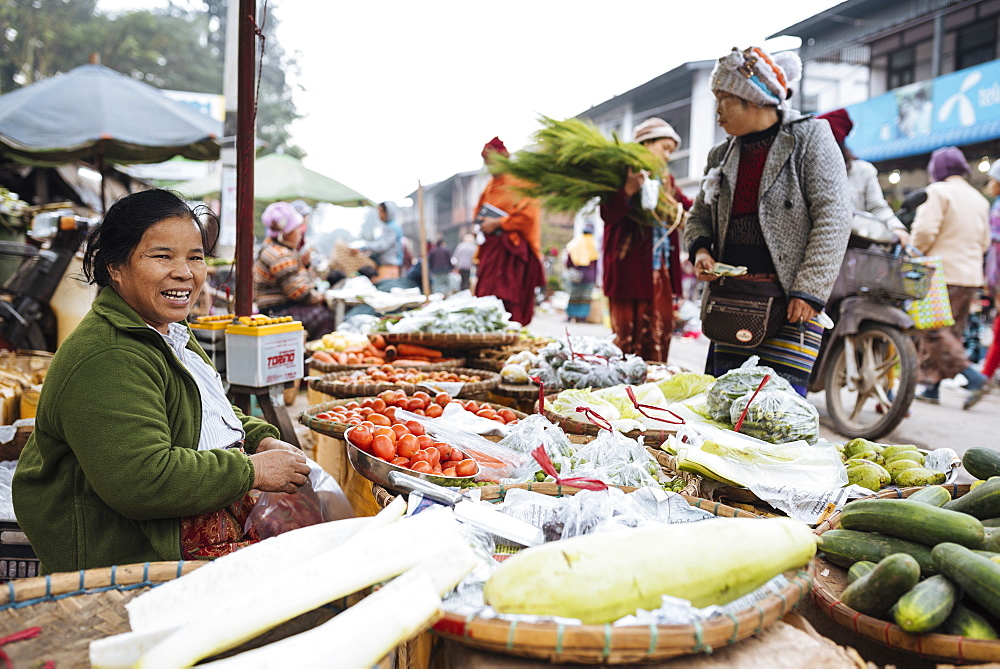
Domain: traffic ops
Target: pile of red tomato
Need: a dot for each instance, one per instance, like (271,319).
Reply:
(377,432)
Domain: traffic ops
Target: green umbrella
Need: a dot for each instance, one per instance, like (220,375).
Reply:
(279,176)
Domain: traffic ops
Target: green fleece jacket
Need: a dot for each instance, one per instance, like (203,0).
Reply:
(113,462)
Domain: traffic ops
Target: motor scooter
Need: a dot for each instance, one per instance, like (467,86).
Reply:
(45,297)
(867,363)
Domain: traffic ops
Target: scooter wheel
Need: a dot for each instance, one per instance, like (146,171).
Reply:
(870,381)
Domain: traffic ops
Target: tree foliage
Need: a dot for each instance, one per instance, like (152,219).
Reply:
(171,48)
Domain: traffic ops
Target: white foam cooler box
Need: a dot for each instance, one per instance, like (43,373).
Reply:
(264,355)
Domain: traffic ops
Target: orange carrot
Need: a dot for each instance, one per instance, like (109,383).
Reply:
(409,350)
(391,352)
(377,340)
(482,458)
(323,356)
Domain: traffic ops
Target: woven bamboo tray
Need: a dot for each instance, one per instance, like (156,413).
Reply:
(334,429)
(571,425)
(605,644)
(453,341)
(830,580)
(337,389)
(74,608)
(328,367)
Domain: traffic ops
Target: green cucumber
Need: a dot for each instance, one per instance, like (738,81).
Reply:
(915,521)
(991,540)
(981,502)
(978,576)
(935,495)
(963,621)
(859,569)
(845,547)
(991,522)
(981,462)
(926,605)
(875,593)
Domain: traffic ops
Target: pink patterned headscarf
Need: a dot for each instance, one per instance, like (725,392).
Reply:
(280,218)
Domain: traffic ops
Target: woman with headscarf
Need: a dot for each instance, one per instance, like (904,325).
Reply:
(771,201)
(953,224)
(282,282)
(862,177)
(510,260)
(387,248)
(642,265)
(581,267)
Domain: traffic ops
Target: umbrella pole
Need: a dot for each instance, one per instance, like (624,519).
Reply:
(100,170)
(424,270)
(244,159)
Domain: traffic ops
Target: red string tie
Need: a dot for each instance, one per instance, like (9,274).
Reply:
(543,460)
(739,423)
(29,633)
(640,407)
(541,393)
(595,418)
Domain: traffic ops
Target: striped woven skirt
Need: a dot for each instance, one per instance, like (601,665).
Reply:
(790,353)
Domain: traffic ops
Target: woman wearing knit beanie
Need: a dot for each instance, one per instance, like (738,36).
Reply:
(641,265)
(954,224)
(862,177)
(771,201)
(283,285)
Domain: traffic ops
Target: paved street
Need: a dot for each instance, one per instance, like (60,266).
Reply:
(944,425)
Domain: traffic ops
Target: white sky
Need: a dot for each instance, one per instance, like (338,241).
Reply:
(396,91)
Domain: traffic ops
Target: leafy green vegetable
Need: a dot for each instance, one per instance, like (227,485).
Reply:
(684,385)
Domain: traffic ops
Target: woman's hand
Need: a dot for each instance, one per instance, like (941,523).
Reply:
(799,311)
(704,266)
(279,470)
(903,236)
(489,223)
(633,182)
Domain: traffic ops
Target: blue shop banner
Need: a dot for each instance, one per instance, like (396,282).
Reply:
(954,109)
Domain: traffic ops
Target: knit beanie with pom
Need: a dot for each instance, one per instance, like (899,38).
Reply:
(756,76)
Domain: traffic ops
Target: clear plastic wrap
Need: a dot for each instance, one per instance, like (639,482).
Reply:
(614,458)
(527,434)
(496,461)
(320,500)
(776,415)
(738,382)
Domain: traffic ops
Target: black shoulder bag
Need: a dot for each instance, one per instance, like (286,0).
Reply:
(742,312)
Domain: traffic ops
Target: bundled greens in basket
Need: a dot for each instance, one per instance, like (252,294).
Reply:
(572,163)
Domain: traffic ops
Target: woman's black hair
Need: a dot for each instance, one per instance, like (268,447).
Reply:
(112,242)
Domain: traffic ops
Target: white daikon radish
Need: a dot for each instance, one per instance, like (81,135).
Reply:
(170,605)
(364,633)
(367,558)
(124,650)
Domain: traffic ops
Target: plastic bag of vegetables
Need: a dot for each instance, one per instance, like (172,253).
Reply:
(738,382)
(776,415)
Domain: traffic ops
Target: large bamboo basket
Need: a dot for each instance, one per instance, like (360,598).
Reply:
(453,341)
(323,384)
(74,608)
(334,429)
(329,367)
(605,644)
(830,580)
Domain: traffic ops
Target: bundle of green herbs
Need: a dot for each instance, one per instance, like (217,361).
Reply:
(572,162)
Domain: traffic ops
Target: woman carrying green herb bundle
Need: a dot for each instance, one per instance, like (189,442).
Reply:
(642,267)
(775,200)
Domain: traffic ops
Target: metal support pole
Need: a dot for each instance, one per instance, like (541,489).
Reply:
(245,158)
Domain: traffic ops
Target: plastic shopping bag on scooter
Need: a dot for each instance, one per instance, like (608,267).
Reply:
(934,309)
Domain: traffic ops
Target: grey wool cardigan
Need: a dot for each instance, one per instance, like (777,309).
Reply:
(804,205)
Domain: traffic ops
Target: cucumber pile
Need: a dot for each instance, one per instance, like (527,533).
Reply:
(928,563)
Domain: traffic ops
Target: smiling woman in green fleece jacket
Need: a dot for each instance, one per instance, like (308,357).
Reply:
(137,455)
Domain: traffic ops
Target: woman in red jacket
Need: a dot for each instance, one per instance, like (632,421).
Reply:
(642,266)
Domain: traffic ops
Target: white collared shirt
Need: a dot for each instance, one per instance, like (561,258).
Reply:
(220,428)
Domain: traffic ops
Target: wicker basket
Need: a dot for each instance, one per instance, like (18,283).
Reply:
(453,341)
(329,367)
(338,389)
(334,429)
(74,608)
(605,644)
(830,580)
(571,425)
